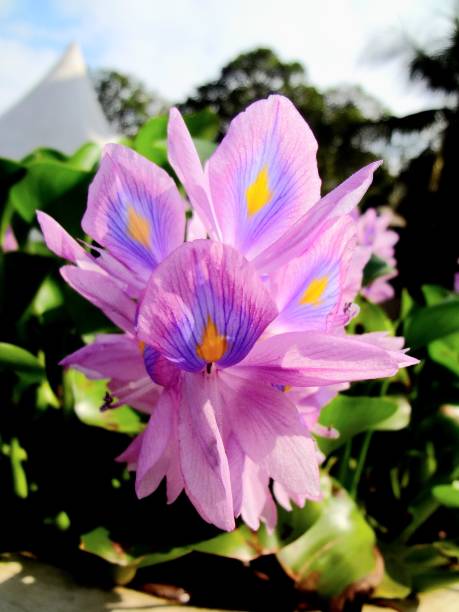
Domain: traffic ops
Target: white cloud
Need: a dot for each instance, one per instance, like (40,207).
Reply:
(20,68)
(178,44)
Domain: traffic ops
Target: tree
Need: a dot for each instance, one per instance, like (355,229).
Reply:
(335,119)
(125,100)
(428,251)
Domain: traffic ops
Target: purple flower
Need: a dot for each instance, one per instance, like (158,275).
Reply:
(374,238)
(217,330)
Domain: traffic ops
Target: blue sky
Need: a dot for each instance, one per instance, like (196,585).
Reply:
(175,45)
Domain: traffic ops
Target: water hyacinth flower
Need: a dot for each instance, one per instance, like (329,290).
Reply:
(234,340)
(375,239)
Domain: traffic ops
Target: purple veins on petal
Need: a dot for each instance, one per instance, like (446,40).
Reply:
(134,209)
(204,304)
(263,176)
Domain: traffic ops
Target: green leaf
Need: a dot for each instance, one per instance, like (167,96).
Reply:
(88,397)
(431,323)
(335,552)
(53,186)
(21,361)
(99,543)
(407,304)
(203,124)
(375,268)
(353,415)
(151,140)
(446,352)
(448,494)
(205,148)
(86,157)
(399,419)
(435,294)
(371,318)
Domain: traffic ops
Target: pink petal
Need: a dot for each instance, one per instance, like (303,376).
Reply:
(202,455)
(184,159)
(59,241)
(154,458)
(314,359)
(309,289)
(134,210)
(204,285)
(270,431)
(131,454)
(104,293)
(263,176)
(299,237)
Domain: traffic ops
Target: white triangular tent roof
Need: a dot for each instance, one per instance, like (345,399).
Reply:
(61,112)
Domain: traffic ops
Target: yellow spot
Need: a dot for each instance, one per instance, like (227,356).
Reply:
(258,193)
(141,345)
(287,388)
(138,227)
(213,346)
(314,291)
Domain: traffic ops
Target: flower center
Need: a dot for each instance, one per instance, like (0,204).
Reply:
(213,345)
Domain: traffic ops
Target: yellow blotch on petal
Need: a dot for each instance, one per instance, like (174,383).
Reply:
(138,227)
(314,291)
(141,345)
(287,388)
(258,193)
(213,346)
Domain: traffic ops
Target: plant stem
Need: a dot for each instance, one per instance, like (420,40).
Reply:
(360,463)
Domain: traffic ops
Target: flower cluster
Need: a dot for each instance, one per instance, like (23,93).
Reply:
(231,341)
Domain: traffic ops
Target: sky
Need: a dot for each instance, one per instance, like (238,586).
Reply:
(174,45)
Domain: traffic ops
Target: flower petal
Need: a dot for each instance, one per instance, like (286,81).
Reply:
(315,359)
(184,159)
(104,293)
(154,457)
(59,241)
(202,455)
(204,304)
(271,432)
(134,209)
(308,291)
(263,176)
(299,237)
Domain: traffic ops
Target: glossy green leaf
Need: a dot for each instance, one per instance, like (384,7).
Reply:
(151,140)
(205,148)
(371,318)
(98,543)
(353,415)
(21,361)
(203,124)
(86,157)
(446,352)
(335,552)
(448,494)
(431,323)
(88,397)
(52,186)
(435,294)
